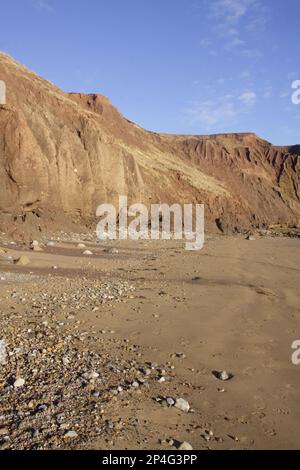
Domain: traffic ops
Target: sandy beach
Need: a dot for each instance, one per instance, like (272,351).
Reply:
(233,306)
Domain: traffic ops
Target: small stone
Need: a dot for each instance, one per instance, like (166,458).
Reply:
(182,405)
(22,261)
(37,248)
(223,375)
(87,253)
(180,355)
(81,246)
(71,435)
(185,446)
(170,401)
(91,375)
(19,383)
(145,371)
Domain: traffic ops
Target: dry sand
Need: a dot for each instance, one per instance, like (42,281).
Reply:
(233,306)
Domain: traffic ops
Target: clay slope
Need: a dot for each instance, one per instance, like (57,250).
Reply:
(67,153)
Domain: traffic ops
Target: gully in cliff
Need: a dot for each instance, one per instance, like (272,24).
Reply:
(164,221)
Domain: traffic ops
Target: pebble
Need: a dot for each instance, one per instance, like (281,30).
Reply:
(22,261)
(182,405)
(223,375)
(71,435)
(185,446)
(170,401)
(19,383)
(87,253)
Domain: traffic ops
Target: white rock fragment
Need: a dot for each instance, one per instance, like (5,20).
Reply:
(3,353)
(223,375)
(182,405)
(19,383)
(185,446)
(71,435)
(87,253)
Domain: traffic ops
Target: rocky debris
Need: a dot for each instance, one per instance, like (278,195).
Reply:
(63,390)
(22,261)
(222,375)
(250,238)
(178,403)
(60,382)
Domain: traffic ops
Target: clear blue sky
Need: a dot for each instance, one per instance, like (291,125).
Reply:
(182,66)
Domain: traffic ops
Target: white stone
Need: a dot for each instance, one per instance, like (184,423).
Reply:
(182,405)
(185,446)
(19,383)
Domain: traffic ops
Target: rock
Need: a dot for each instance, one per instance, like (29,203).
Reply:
(250,238)
(4,432)
(170,401)
(91,375)
(81,246)
(145,371)
(71,435)
(223,375)
(19,383)
(180,355)
(37,248)
(2,352)
(87,253)
(185,446)
(22,261)
(161,380)
(182,405)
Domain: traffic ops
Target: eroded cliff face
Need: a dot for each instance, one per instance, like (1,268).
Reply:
(68,153)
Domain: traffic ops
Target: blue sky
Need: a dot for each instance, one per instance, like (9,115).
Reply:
(182,66)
